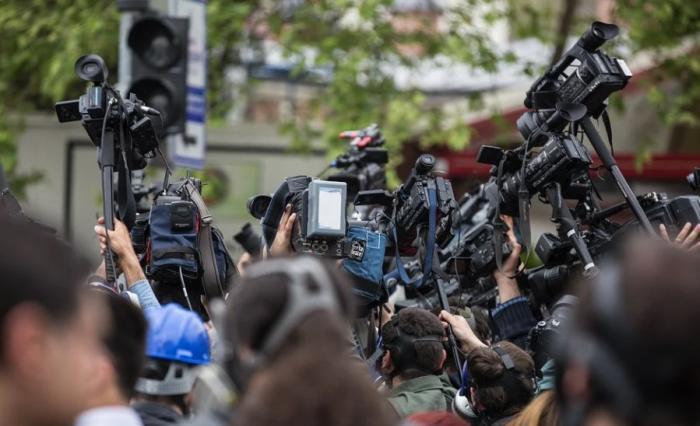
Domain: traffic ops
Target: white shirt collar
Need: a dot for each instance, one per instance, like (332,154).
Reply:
(118,415)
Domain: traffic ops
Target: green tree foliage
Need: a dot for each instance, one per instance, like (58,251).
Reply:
(670,30)
(39,42)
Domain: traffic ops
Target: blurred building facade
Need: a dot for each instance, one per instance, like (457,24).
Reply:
(249,156)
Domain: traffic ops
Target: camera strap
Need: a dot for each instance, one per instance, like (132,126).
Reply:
(211,280)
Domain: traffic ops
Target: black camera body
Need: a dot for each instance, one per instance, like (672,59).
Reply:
(594,77)
(101,108)
(472,250)
(672,213)
(412,205)
(563,160)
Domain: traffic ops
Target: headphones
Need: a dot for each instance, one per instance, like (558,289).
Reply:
(509,381)
(304,296)
(402,348)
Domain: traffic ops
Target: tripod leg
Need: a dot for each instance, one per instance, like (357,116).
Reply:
(609,162)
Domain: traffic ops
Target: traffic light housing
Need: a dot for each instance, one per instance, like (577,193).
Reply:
(159,67)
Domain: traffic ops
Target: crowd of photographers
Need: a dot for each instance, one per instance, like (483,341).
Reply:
(75,351)
(359,305)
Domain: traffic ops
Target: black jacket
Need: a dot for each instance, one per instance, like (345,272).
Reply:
(155,414)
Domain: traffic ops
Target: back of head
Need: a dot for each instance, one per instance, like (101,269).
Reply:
(500,390)
(414,337)
(38,269)
(635,337)
(125,341)
(303,372)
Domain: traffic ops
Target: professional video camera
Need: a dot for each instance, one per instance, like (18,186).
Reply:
(124,133)
(471,253)
(543,337)
(593,77)
(363,164)
(422,202)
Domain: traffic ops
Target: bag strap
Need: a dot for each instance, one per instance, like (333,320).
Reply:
(211,280)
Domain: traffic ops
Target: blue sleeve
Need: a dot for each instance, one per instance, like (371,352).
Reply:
(147,298)
(514,319)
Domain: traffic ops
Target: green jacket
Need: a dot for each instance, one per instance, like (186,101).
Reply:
(425,393)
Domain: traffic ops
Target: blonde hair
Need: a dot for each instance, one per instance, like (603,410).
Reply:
(541,411)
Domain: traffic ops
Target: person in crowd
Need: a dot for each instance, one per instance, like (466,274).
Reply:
(177,343)
(50,329)
(501,376)
(287,336)
(113,383)
(413,361)
(631,355)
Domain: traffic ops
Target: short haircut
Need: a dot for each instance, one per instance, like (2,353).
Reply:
(125,341)
(416,322)
(485,365)
(38,268)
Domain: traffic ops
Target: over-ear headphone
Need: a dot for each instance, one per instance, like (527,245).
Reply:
(304,296)
(402,347)
(510,381)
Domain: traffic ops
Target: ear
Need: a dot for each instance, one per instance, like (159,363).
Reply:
(25,332)
(387,363)
(443,358)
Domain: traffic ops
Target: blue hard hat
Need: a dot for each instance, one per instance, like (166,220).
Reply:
(176,334)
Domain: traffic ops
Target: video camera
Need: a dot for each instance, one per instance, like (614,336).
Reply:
(593,78)
(124,134)
(562,160)
(472,251)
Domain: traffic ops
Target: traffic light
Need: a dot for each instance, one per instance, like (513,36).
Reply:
(159,67)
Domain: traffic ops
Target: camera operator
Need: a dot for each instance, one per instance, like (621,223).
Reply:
(502,376)
(113,381)
(413,360)
(631,357)
(177,343)
(49,329)
(287,330)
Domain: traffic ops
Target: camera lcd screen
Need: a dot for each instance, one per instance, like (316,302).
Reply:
(325,209)
(330,208)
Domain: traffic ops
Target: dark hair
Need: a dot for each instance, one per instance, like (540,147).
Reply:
(485,365)
(307,381)
(39,269)
(655,343)
(125,340)
(416,322)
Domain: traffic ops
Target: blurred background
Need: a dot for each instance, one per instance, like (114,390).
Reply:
(259,90)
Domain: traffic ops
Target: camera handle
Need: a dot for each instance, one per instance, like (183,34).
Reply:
(561,215)
(609,162)
(107,161)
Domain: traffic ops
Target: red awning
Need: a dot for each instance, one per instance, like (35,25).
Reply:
(660,167)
